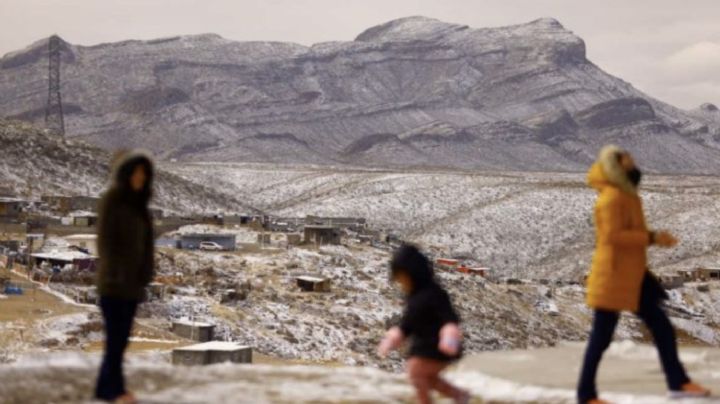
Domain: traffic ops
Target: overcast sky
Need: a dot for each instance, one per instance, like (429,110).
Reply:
(667,48)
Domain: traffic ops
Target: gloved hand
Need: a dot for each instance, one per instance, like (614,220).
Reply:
(665,239)
(450,339)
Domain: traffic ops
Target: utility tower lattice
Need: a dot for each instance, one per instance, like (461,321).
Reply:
(54,120)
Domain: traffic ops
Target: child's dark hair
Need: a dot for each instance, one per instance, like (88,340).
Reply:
(409,260)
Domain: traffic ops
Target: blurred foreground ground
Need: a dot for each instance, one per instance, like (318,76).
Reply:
(630,374)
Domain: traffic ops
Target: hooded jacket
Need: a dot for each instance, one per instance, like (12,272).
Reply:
(428,306)
(620,260)
(125,232)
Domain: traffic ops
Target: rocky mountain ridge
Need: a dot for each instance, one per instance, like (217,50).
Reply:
(411,92)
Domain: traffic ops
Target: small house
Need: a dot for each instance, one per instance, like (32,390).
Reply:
(447,264)
(237,220)
(10,245)
(321,235)
(264,238)
(155,291)
(11,208)
(67,204)
(479,271)
(313,284)
(710,274)
(284,224)
(689,275)
(353,223)
(258,222)
(700,274)
(192,241)
(78,260)
(195,331)
(85,220)
(34,242)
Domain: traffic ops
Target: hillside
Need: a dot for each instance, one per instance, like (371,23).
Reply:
(34,163)
(411,92)
(535,225)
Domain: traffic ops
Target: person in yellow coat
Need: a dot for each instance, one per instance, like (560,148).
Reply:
(619,279)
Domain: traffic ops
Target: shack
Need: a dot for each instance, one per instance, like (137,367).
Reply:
(321,235)
(67,204)
(79,261)
(84,220)
(237,220)
(285,224)
(11,208)
(700,274)
(710,274)
(353,223)
(195,331)
(447,264)
(264,238)
(479,271)
(10,245)
(689,275)
(313,284)
(155,291)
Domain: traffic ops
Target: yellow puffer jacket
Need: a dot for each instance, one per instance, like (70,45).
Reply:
(622,238)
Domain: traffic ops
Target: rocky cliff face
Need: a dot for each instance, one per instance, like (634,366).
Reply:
(411,92)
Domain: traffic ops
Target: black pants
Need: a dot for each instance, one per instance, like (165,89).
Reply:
(601,335)
(118,315)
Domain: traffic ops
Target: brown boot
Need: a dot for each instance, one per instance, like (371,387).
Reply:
(127,398)
(690,390)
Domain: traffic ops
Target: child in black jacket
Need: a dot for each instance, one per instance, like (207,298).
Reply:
(431,323)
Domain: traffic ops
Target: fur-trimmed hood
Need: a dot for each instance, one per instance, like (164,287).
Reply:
(123,164)
(607,171)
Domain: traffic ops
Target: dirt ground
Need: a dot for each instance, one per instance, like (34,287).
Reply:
(34,304)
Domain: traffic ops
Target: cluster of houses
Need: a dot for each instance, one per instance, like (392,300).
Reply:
(72,218)
(701,274)
(311,230)
(54,211)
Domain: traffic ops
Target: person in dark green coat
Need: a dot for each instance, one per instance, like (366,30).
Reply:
(126,252)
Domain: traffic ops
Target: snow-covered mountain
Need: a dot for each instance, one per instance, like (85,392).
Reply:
(411,92)
(34,163)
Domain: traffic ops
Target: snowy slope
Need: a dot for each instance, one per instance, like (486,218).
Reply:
(34,163)
(532,225)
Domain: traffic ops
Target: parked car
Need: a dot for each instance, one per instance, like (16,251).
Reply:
(210,246)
